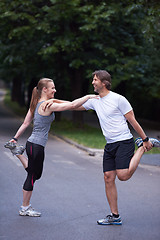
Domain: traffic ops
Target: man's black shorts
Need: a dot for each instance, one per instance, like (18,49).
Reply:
(118,155)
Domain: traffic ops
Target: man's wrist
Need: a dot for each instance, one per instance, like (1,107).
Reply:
(145,139)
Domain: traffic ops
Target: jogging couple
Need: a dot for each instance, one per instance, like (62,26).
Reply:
(113,110)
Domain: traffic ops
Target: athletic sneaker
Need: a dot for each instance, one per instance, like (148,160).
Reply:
(10,145)
(29,212)
(110,220)
(139,142)
(154,141)
(18,150)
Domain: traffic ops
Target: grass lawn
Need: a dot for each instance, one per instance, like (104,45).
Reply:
(14,106)
(87,136)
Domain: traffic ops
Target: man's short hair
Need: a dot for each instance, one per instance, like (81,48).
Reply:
(104,76)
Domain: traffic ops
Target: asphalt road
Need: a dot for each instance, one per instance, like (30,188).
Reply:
(70,195)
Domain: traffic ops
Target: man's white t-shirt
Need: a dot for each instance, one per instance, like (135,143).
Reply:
(110,111)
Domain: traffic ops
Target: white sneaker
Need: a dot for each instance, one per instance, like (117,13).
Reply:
(139,142)
(110,220)
(18,150)
(29,212)
(10,145)
(155,142)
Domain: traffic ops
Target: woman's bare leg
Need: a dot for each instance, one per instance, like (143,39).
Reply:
(23,160)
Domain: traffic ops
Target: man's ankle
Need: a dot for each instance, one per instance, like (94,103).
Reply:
(115,215)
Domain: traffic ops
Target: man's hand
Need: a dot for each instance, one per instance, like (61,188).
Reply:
(47,104)
(147,146)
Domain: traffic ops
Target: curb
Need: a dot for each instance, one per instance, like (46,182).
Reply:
(90,151)
(150,160)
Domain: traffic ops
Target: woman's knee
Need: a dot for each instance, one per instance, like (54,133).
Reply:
(28,184)
(38,176)
(38,173)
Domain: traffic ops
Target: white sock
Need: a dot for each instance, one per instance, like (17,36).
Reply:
(26,207)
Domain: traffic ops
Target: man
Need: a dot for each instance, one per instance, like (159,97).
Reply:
(113,111)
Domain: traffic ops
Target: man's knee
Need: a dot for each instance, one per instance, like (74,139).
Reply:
(123,175)
(109,177)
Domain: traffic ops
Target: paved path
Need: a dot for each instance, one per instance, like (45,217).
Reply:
(71,195)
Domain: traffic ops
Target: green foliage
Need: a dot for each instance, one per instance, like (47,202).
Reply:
(58,38)
(14,106)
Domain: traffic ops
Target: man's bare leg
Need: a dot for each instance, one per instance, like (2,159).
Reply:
(111,190)
(125,174)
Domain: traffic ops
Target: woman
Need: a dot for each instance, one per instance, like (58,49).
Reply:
(35,145)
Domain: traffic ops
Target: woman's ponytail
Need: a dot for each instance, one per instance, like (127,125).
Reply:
(34,100)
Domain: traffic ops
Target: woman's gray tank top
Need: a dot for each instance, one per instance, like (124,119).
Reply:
(41,127)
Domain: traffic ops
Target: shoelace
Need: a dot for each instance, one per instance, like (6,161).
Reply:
(109,216)
(30,208)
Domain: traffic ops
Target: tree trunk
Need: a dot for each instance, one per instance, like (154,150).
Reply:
(17,91)
(77,91)
(59,95)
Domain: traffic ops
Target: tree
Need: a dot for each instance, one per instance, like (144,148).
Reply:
(67,40)
(19,45)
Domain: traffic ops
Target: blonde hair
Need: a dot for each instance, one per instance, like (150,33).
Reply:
(36,93)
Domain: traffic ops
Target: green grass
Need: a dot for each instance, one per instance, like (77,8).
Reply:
(152,151)
(14,106)
(88,136)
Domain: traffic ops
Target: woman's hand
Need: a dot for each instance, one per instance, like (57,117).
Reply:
(93,96)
